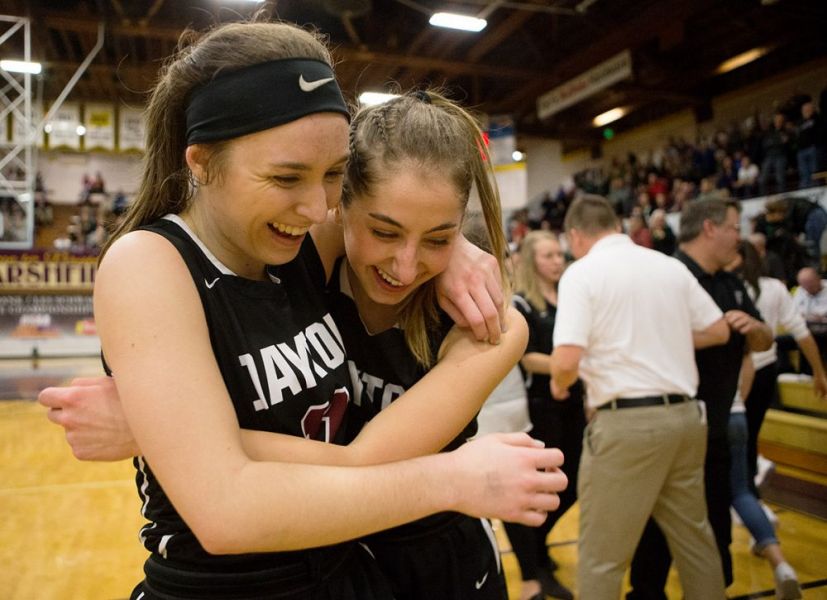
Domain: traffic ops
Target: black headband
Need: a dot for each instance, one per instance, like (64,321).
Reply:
(262,96)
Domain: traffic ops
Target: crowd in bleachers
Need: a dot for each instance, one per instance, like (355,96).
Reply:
(81,228)
(764,154)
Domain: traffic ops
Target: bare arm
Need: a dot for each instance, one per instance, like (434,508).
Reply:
(90,411)
(150,318)
(746,377)
(809,349)
(759,335)
(536,362)
(455,389)
(96,427)
(470,291)
(714,335)
(565,365)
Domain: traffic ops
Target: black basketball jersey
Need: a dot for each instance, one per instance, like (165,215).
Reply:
(283,363)
(381,365)
(381,368)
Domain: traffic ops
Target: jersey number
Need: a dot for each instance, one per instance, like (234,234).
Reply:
(322,421)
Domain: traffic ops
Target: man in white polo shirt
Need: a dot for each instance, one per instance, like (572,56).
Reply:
(628,321)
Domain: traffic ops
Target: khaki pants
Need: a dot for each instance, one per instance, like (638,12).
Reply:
(639,462)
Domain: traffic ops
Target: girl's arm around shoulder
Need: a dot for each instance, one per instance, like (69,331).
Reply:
(153,331)
(428,416)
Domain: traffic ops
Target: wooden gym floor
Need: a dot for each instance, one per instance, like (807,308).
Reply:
(69,530)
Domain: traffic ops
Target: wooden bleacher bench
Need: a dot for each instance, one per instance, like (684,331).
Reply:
(790,438)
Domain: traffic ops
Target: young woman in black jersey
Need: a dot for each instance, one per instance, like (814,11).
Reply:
(246,148)
(558,423)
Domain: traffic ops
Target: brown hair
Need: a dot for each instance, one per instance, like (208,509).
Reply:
(695,213)
(165,184)
(590,215)
(430,131)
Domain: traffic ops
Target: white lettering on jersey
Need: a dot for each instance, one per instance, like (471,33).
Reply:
(391,393)
(301,360)
(357,384)
(323,342)
(366,386)
(284,361)
(279,380)
(246,360)
(373,384)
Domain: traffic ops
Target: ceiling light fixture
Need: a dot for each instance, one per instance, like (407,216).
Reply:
(372,98)
(610,116)
(21,66)
(742,59)
(457,21)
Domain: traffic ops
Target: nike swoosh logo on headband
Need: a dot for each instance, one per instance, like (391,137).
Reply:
(309,86)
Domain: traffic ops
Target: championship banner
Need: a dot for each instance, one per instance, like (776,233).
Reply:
(617,68)
(18,129)
(63,128)
(99,120)
(38,270)
(46,304)
(131,129)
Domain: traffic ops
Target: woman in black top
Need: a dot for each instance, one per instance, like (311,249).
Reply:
(558,423)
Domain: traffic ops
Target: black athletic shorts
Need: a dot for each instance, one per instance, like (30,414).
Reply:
(455,558)
(352,575)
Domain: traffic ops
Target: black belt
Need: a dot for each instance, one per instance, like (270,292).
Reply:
(663,399)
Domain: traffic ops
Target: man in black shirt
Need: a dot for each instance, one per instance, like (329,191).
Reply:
(709,237)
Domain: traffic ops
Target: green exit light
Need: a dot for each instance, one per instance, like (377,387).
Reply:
(608,133)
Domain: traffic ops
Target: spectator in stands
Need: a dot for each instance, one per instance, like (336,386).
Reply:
(747,178)
(97,185)
(727,175)
(638,230)
(661,201)
(518,227)
(13,227)
(772,265)
(97,238)
(663,238)
(43,211)
(810,139)
(800,216)
(119,203)
(810,299)
(620,196)
(781,240)
(86,188)
(644,204)
(88,220)
(708,189)
(655,184)
(775,145)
